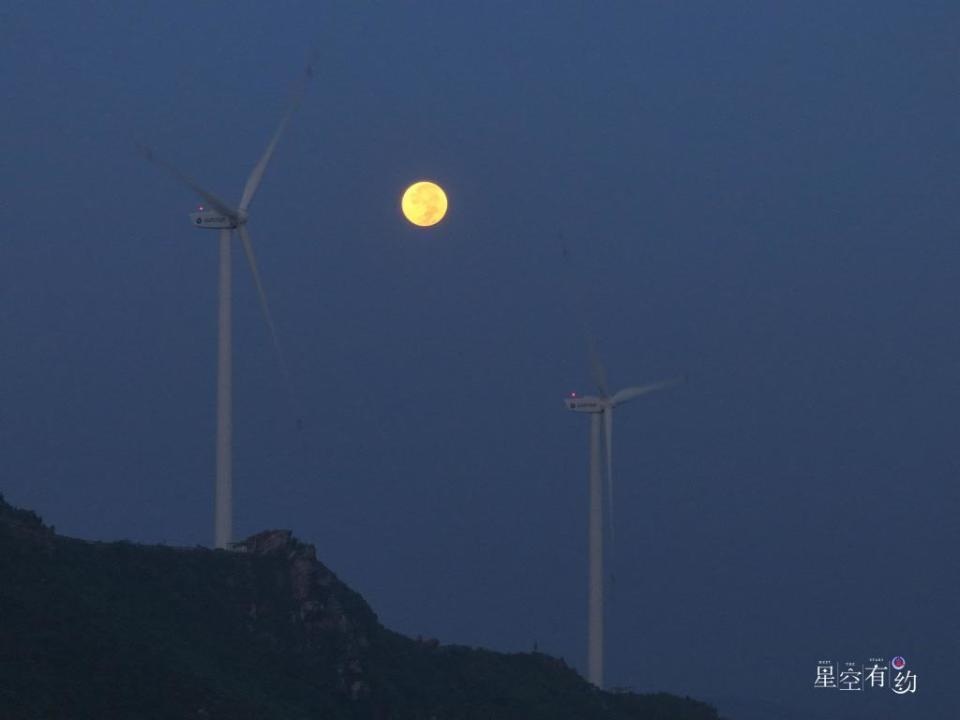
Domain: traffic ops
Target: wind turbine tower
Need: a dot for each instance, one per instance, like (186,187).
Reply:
(215,214)
(600,408)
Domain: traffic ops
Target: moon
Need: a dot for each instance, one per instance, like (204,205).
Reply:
(424,203)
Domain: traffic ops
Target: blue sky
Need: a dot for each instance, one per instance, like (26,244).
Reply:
(761,195)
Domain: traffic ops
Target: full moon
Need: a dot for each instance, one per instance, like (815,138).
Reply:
(424,203)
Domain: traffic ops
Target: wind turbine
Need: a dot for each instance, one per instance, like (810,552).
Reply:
(216,214)
(600,407)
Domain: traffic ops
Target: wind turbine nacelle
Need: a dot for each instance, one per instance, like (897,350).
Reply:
(585,404)
(213,219)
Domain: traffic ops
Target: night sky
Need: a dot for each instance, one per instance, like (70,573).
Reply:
(762,195)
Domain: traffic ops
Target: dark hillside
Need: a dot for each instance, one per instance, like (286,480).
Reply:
(117,630)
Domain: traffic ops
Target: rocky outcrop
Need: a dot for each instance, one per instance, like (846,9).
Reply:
(319,603)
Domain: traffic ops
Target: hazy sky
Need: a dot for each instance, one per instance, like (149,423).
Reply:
(761,194)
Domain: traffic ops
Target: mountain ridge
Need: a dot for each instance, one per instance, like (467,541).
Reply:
(121,630)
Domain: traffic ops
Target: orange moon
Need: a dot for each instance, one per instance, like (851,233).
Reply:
(424,203)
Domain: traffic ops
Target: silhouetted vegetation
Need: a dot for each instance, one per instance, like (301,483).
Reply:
(121,631)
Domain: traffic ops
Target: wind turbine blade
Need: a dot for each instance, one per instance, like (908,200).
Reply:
(211,199)
(596,366)
(627,394)
(264,305)
(608,433)
(292,397)
(599,372)
(256,175)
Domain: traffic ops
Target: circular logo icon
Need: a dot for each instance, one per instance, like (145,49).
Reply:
(898,663)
